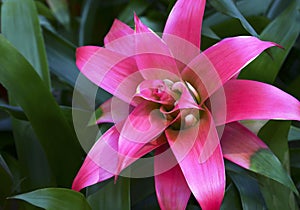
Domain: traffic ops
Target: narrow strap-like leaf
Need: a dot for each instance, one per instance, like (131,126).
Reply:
(54,133)
(55,198)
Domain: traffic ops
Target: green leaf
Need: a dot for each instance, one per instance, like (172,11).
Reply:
(293,88)
(97,13)
(248,188)
(61,11)
(254,125)
(61,58)
(14,167)
(112,196)
(276,196)
(295,157)
(153,21)
(7,139)
(32,156)
(207,31)
(229,8)
(55,198)
(275,133)
(266,68)
(54,133)
(29,149)
(44,10)
(141,189)
(264,162)
(6,180)
(16,21)
(18,113)
(14,111)
(20,24)
(29,142)
(277,7)
(294,134)
(134,6)
(233,28)
(246,7)
(97,114)
(231,199)
(191,207)
(251,8)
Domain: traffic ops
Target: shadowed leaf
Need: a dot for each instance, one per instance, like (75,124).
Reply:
(55,198)
(229,8)
(28,90)
(61,11)
(231,199)
(275,133)
(265,163)
(248,188)
(112,196)
(19,17)
(266,68)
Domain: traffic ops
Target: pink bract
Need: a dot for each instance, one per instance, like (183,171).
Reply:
(178,96)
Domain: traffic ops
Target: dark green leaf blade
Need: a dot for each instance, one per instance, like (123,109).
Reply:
(231,199)
(294,133)
(275,133)
(20,17)
(97,114)
(18,113)
(61,57)
(55,198)
(112,196)
(54,133)
(61,11)
(247,8)
(14,111)
(20,24)
(295,157)
(6,180)
(32,156)
(248,188)
(229,8)
(97,13)
(134,6)
(277,196)
(44,10)
(264,162)
(266,68)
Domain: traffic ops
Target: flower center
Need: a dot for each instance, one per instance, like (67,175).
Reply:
(179,101)
(190,120)
(193,92)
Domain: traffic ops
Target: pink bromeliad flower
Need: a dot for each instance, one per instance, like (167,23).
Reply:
(183,103)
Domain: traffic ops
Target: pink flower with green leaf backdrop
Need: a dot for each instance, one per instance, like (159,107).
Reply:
(182,102)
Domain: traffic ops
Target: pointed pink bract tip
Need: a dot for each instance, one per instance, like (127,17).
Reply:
(115,179)
(137,21)
(117,30)
(83,54)
(89,174)
(135,17)
(75,188)
(75,185)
